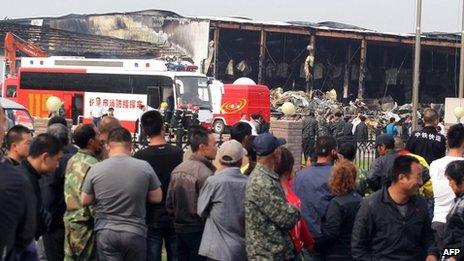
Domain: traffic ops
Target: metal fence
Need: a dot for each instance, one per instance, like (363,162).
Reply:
(365,154)
(365,150)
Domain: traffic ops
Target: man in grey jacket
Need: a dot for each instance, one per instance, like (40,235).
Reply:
(381,169)
(187,179)
(222,204)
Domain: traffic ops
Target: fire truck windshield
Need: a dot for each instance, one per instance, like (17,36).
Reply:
(193,90)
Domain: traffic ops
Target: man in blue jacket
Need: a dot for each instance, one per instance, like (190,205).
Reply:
(311,184)
(391,128)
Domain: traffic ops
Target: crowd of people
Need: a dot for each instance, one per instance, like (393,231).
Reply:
(353,128)
(85,196)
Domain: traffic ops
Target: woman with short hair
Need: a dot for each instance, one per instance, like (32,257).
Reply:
(337,225)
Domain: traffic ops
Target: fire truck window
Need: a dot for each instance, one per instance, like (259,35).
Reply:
(11,91)
(107,83)
(140,83)
(195,91)
(115,83)
(154,97)
(203,94)
(167,93)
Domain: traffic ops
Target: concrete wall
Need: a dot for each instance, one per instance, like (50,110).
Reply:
(450,104)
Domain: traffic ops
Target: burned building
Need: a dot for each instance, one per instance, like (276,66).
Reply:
(355,61)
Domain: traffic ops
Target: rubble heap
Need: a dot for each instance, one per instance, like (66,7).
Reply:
(303,101)
(377,111)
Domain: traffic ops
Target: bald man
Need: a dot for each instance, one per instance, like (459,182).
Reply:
(428,142)
(106,124)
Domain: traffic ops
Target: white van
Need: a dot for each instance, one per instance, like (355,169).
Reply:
(16,114)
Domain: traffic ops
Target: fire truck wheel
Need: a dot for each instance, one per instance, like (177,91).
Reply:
(219,126)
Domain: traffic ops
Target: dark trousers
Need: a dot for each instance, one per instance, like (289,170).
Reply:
(155,238)
(96,121)
(54,245)
(119,246)
(438,232)
(29,254)
(314,256)
(308,148)
(188,245)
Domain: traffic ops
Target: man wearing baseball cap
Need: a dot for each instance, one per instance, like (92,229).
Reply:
(268,215)
(222,204)
(381,169)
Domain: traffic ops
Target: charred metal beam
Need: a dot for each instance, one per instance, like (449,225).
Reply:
(262,55)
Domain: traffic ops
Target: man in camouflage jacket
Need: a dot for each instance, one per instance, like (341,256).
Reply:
(323,128)
(268,215)
(337,126)
(310,129)
(78,220)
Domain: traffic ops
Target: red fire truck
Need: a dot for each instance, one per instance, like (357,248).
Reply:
(122,84)
(241,99)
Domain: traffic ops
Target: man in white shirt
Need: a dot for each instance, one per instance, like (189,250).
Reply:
(97,111)
(442,130)
(355,122)
(442,192)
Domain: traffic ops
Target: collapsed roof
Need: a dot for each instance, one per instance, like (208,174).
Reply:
(123,35)
(62,42)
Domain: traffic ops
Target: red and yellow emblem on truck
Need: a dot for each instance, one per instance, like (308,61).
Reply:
(233,107)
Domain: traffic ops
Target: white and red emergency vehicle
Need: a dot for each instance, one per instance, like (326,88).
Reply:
(122,84)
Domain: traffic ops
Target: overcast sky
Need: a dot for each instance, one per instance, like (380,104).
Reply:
(382,15)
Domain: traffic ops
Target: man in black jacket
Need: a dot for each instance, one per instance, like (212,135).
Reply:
(52,189)
(361,132)
(43,159)
(163,158)
(17,207)
(347,136)
(393,223)
(427,142)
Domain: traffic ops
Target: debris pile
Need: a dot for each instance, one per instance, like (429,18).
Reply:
(377,111)
(321,102)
